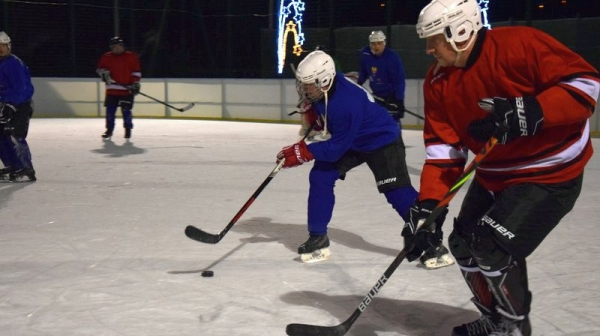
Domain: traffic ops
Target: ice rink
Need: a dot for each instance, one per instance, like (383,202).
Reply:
(97,247)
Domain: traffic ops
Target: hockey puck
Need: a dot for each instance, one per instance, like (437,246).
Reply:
(208,274)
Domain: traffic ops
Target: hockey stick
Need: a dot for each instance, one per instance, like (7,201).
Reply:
(297,329)
(405,110)
(183,109)
(209,238)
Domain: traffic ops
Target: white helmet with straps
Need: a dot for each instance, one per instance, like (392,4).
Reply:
(4,38)
(456,19)
(376,36)
(316,68)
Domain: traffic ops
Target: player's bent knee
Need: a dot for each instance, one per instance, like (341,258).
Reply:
(490,256)
(459,247)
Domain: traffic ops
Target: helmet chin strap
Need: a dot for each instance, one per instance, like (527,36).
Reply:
(460,51)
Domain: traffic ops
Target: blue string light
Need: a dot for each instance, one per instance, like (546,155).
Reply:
(290,22)
(485,7)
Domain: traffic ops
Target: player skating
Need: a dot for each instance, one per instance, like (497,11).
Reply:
(358,131)
(545,94)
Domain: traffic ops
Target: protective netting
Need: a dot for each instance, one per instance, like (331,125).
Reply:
(229,38)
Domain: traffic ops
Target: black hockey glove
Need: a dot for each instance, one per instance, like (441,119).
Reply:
(522,115)
(416,239)
(135,88)
(7,111)
(395,107)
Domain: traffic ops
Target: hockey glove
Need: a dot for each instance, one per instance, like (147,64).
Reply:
(395,107)
(135,88)
(417,239)
(105,76)
(294,155)
(522,115)
(7,111)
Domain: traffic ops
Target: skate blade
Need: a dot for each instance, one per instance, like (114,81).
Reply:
(316,256)
(443,261)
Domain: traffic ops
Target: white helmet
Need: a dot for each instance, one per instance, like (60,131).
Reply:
(316,68)
(376,36)
(456,19)
(4,39)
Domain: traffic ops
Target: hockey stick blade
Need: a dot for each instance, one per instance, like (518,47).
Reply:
(311,330)
(187,107)
(196,234)
(205,237)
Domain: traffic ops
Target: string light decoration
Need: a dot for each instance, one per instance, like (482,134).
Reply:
(485,6)
(290,22)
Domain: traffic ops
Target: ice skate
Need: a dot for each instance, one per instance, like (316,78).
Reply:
(127,133)
(511,325)
(5,173)
(483,326)
(436,257)
(107,135)
(22,175)
(480,327)
(316,248)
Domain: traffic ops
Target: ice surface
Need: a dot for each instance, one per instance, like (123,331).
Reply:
(97,247)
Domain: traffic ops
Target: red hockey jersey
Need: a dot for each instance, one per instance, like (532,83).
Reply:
(509,62)
(124,70)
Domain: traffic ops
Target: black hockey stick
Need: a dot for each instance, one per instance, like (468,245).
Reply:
(209,238)
(297,329)
(405,110)
(183,109)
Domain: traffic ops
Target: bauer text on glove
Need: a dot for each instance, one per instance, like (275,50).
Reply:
(522,115)
(295,155)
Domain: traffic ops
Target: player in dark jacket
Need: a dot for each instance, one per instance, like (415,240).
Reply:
(385,72)
(16,109)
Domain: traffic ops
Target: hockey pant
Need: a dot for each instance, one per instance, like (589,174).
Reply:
(14,150)
(388,166)
(495,232)
(112,103)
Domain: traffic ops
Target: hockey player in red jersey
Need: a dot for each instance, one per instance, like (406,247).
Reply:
(120,70)
(545,94)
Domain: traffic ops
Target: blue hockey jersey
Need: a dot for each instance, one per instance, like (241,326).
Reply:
(356,122)
(15,81)
(385,73)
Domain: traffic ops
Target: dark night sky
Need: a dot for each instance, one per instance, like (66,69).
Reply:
(206,37)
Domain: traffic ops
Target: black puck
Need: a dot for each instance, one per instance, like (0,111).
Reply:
(208,274)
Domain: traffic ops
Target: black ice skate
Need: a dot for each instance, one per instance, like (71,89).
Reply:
(107,135)
(127,133)
(436,257)
(511,325)
(22,175)
(5,173)
(316,248)
(483,326)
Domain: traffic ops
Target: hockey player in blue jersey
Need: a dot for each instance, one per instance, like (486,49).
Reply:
(16,109)
(357,130)
(385,72)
